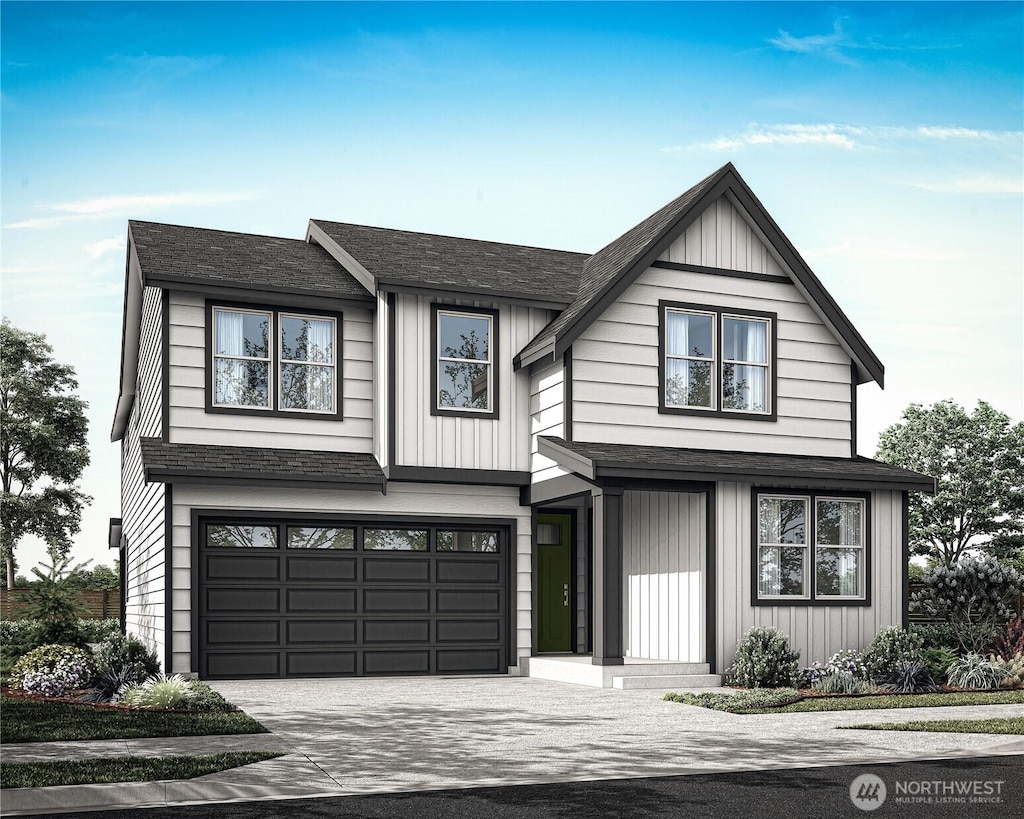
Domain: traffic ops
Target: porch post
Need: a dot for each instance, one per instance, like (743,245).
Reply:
(607,573)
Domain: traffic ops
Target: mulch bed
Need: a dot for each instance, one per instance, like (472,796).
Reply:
(75,699)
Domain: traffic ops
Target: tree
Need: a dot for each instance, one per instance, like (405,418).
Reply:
(978,462)
(43,448)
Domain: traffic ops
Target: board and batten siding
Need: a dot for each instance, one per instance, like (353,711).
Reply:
(664,570)
(816,631)
(189,422)
(422,439)
(547,417)
(413,499)
(616,366)
(142,504)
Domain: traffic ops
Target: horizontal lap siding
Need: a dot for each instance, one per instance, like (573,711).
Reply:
(615,372)
(547,417)
(816,631)
(142,503)
(663,562)
(401,499)
(191,423)
(422,439)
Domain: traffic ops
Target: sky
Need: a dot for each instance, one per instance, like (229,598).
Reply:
(885,139)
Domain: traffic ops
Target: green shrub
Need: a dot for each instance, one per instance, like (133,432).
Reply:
(936,635)
(53,670)
(908,677)
(203,698)
(976,671)
(98,630)
(841,682)
(741,700)
(157,692)
(126,654)
(846,661)
(764,660)
(938,660)
(891,646)
(53,601)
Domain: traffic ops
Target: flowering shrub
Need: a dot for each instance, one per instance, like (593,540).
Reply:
(764,660)
(53,670)
(1009,640)
(847,661)
(891,647)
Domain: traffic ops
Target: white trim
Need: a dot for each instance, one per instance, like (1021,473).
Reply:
(712,360)
(269,360)
(281,360)
(487,363)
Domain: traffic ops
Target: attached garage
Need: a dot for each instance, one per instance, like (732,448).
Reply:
(307,597)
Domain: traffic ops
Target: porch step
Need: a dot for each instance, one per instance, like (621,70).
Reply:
(579,670)
(669,681)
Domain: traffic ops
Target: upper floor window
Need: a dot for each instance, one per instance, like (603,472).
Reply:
(464,357)
(717,362)
(275,361)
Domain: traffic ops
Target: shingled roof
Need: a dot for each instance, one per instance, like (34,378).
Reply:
(196,463)
(596,461)
(461,265)
(179,254)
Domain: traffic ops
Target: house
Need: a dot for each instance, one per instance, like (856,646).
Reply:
(383,452)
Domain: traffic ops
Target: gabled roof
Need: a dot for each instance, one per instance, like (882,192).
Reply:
(175,254)
(599,462)
(611,270)
(426,260)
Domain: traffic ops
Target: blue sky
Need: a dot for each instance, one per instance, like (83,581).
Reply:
(885,139)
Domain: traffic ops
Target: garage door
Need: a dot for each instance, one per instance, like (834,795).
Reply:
(302,598)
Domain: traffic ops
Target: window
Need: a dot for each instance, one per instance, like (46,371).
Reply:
(241,536)
(715,362)
(395,540)
(453,541)
(316,537)
(275,362)
(464,356)
(810,548)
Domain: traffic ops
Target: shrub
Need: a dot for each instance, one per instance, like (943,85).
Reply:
(126,657)
(54,602)
(1014,669)
(908,677)
(1009,640)
(841,682)
(976,671)
(890,647)
(741,700)
(764,660)
(847,661)
(204,698)
(53,670)
(160,691)
(936,635)
(974,595)
(98,630)
(938,660)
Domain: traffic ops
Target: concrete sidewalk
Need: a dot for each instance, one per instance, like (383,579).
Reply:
(345,737)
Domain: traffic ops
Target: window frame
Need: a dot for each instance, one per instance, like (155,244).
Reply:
(812,597)
(493,360)
(719,314)
(275,410)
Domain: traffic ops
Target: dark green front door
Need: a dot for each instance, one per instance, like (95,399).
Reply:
(554,582)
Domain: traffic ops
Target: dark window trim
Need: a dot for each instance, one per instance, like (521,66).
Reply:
(495,363)
(812,496)
(275,362)
(720,312)
(722,271)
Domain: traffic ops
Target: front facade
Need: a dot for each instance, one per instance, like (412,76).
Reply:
(379,452)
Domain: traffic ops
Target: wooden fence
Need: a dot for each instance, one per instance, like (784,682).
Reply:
(99,603)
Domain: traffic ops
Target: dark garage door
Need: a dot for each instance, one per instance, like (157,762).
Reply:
(341,598)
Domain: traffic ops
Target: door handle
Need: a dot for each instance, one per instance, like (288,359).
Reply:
(565,595)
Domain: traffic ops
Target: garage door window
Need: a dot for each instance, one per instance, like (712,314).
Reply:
(456,541)
(241,536)
(318,537)
(395,540)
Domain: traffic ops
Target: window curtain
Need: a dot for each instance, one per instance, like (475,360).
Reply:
(230,372)
(230,333)
(750,343)
(678,334)
(849,535)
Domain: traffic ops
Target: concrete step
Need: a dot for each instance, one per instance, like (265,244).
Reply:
(669,682)
(579,670)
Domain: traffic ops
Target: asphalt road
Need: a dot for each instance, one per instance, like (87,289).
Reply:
(807,792)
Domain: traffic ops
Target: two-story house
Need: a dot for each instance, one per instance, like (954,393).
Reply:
(382,452)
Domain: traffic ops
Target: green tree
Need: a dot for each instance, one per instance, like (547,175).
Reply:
(98,577)
(43,448)
(978,462)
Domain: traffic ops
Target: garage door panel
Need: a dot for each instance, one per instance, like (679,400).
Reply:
(469,631)
(396,570)
(468,571)
(321,568)
(396,631)
(467,600)
(324,663)
(325,600)
(243,632)
(252,600)
(382,601)
(396,662)
(242,567)
(321,631)
(234,664)
(467,661)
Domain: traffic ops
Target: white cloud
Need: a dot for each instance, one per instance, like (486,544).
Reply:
(105,246)
(981,184)
(826,44)
(123,205)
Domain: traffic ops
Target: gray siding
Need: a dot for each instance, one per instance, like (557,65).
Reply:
(422,439)
(190,423)
(615,370)
(547,417)
(142,504)
(664,556)
(402,498)
(816,631)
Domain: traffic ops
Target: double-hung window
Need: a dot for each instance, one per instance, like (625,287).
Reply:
(716,362)
(274,361)
(810,548)
(465,352)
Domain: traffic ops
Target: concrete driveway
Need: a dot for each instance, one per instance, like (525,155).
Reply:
(374,735)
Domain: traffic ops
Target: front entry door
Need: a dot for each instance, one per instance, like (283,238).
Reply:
(554,581)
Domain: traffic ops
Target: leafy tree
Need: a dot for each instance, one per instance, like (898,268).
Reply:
(978,461)
(43,448)
(98,577)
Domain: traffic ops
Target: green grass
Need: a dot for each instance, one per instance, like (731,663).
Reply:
(995,725)
(37,721)
(893,701)
(122,769)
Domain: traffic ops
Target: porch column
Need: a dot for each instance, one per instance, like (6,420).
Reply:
(607,573)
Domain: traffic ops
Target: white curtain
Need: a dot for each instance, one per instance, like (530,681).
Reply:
(320,344)
(230,373)
(230,333)
(678,341)
(748,341)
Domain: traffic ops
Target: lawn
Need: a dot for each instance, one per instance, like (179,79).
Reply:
(995,725)
(38,721)
(755,700)
(123,769)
